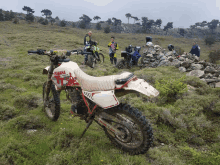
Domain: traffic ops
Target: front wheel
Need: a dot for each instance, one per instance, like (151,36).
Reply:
(101,57)
(52,104)
(138,136)
(91,61)
(120,64)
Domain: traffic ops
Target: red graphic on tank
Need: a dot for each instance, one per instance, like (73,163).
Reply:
(71,81)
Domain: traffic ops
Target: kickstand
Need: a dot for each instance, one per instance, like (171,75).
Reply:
(89,123)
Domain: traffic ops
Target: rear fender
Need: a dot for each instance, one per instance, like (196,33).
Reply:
(140,85)
(45,70)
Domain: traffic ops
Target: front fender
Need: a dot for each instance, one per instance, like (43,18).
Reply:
(143,87)
(45,70)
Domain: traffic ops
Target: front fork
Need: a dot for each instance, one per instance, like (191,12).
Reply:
(49,81)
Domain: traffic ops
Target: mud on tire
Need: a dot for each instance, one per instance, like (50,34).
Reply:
(52,111)
(91,61)
(120,64)
(143,124)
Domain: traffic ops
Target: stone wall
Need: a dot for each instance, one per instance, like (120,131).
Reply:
(186,62)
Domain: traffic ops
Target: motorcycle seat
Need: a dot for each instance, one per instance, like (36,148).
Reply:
(103,83)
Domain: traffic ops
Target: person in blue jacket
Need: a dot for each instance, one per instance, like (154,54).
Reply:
(195,49)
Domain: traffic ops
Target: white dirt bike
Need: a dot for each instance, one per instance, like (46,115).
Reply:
(95,99)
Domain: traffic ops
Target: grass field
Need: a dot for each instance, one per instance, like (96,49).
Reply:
(186,128)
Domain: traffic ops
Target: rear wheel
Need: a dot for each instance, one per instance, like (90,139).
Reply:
(52,104)
(138,136)
(120,64)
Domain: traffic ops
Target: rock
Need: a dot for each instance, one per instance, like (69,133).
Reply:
(209,69)
(163,58)
(196,59)
(202,79)
(201,62)
(216,74)
(31,130)
(184,56)
(209,76)
(170,53)
(186,64)
(181,59)
(176,63)
(182,69)
(170,58)
(196,73)
(159,56)
(196,66)
(154,64)
(149,55)
(164,63)
(152,60)
(217,84)
(188,70)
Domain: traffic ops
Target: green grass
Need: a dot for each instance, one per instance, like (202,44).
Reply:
(188,126)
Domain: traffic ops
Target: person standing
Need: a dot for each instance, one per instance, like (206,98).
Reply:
(195,49)
(113,46)
(87,40)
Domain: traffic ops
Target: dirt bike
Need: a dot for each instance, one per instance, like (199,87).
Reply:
(95,99)
(131,57)
(92,50)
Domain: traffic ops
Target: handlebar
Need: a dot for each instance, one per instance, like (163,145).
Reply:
(39,51)
(63,60)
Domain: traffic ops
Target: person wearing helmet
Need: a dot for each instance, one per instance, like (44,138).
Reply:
(113,46)
(171,48)
(195,49)
(87,40)
(149,44)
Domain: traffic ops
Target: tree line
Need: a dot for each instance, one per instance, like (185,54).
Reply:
(147,24)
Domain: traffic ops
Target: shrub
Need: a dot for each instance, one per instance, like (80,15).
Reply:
(179,50)
(170,88)
(214,56)
(82,25)
(26,122)
(30,101)
(182,32)
(73,25)
(63,23)
(16,21)
(29,17)
(209,40)
(7,112)
(45,22)
(107,29)
(98,26)
(40,20)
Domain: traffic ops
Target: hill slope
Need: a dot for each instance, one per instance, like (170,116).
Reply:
(186,124)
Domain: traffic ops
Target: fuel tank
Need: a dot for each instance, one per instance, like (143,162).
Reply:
(64,75)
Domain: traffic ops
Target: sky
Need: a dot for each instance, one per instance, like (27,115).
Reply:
(182,13)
